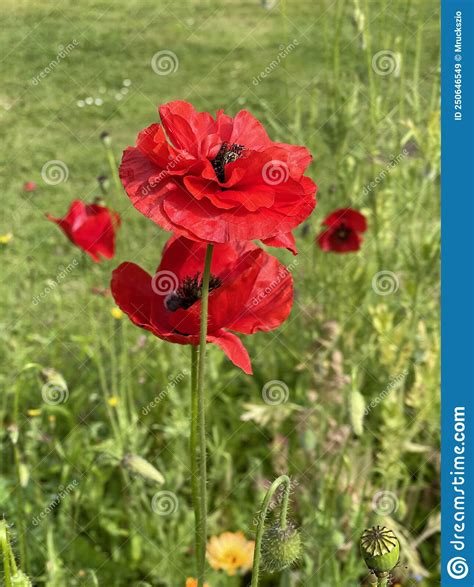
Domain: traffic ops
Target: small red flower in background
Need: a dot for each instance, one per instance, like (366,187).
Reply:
(29,186)
(343,234)
(218,180)
(90,227)
(250,291)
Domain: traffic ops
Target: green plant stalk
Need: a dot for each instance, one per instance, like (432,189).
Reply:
(383,581)
(193,448)
(113,170)
(19,492)
(283,479)
(201,418)
(373,120)
(9,565)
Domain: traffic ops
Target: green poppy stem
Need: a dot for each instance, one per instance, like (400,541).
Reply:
(201,533)
(193,448)
(282,480)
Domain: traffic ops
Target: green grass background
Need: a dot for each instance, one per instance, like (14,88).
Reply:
(341,348)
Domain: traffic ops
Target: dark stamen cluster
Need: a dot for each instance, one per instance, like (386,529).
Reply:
(226,154)
(342,232)
(189,292)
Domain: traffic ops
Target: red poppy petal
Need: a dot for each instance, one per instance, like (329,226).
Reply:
(269,301)
(133,294)
(298,158)
(329,241)
(215,225)
(147,188)
(350,217)
(90,227)
(249,132)
(234,349)
(184,257)
(187,128)
(284,241)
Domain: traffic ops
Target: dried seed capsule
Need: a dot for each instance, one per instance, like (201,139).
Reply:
(380,549)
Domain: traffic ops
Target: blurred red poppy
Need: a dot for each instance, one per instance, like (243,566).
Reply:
(250,291)
(218,180)
(29,186)
(90,227)
(343,234)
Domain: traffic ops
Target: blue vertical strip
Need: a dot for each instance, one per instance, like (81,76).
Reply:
(457,196)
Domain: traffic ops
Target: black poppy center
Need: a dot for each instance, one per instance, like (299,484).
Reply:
(189,292)
(227,154)
(343,232)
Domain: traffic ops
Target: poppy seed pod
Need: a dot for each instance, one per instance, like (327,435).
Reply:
(281,547)
(380,549)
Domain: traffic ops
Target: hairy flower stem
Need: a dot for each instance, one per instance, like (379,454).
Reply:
(201,420)
(193,449)
(282,480)
(9,565)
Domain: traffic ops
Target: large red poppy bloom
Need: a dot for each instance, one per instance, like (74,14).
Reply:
(218,180)
(91,228)
(343,234)
(250,291)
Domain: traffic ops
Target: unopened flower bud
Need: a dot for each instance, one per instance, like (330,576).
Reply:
(105,138)
(104,184)
(139,466)
(281,547)
(380,549)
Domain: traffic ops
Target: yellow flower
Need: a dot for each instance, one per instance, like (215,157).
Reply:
(34,413)
(5,238)
(112,401)
(117,313)
(231,552)
(190,582)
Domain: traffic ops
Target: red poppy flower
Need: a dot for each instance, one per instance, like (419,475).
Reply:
(343,232)
(218,180)
(250,291)
(90,227)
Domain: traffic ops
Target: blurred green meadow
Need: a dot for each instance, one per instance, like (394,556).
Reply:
(354,412)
